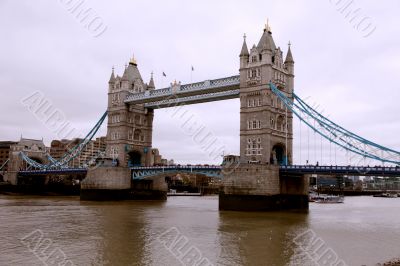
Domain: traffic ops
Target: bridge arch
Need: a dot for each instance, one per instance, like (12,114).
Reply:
(134,158)
(278,155)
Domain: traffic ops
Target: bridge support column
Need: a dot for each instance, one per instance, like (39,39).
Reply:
(11,177)
(256,187)
(115,183)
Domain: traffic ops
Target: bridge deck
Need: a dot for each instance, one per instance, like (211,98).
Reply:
(206,91)
(340,170)
(288,170)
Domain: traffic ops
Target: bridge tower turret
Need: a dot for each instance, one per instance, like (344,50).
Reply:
(130,127)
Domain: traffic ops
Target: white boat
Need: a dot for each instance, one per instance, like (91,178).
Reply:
(387,195)
(329,199)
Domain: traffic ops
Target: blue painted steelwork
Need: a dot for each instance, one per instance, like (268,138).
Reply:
(71,154)
(194,99)
(144,172)
(340,170)
(53,171)
(208,90)
(215,171)
(335,133)
(4,164)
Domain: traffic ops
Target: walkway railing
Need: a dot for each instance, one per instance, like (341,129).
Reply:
(179,91)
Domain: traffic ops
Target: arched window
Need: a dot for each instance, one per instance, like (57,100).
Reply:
(137,134)
(137,119)
(280,123)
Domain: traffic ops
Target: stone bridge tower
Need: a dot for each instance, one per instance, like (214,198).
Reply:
(266,134)
(266,131)
(130,127)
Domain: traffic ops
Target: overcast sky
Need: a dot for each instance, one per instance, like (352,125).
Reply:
(353,77)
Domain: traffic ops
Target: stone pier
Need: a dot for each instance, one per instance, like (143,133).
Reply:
(253,187)
(115,183)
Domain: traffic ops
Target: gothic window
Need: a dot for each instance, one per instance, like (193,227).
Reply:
(280,123)
(137,119)
(253,73)
(254,124)
(259,140)
(258,124)
(253,103)
(130,135)
(272,123)
(137,134)
(254,58)
(272,102)
(258,72)
(258,102)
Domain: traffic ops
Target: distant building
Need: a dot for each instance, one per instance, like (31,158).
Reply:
(92,150)
(5,147)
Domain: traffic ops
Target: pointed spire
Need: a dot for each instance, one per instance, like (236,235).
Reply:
(244,51)
(112,78)
(267,27)
(133,60)
(131,71)
(289,56)
(151,83)
(266,42)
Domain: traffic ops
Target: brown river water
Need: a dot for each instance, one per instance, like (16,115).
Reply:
(191,231)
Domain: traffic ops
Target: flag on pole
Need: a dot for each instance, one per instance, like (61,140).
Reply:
(164,74)
(192,68)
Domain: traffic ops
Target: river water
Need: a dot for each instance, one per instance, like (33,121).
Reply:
(184,230)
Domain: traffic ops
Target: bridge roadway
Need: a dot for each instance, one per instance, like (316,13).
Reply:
(214,170)
(206,91)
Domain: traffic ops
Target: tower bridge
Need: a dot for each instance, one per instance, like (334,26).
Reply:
(262,177)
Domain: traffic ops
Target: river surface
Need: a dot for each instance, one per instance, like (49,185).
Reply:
(185,230)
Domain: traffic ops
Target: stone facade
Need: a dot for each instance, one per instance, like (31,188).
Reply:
(130,127)
(252,181)
(5,147)
(266,132)
(34,149)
